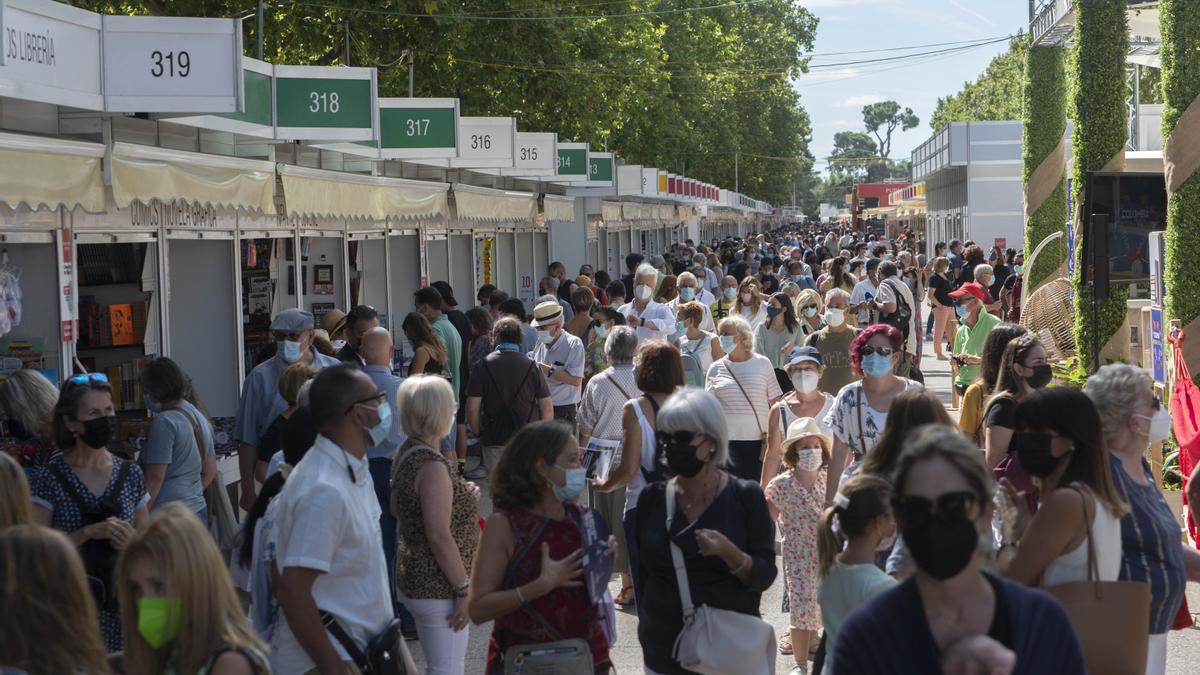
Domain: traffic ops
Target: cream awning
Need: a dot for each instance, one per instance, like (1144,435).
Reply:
(48,173)
(486,204)
(316,192)
(610,211)
(144,173)
(559,209)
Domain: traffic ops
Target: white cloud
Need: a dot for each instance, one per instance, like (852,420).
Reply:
(859,100)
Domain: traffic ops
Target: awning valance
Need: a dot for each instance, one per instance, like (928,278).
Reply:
(559,209)
(315,192)
(632,211)
(144,173)
(610,211)
(48,173)
(497,206)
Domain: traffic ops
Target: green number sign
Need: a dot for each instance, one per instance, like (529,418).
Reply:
(572,161)
(418,128)
(257,88)
(600,168)
(325,103)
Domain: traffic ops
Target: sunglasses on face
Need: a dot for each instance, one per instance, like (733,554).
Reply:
(912,509)
(882,351)
(664,439)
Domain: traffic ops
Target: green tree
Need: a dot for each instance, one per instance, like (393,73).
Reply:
(995,95)
(883,118)
(852,152)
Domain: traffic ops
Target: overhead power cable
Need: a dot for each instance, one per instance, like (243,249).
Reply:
(487,18)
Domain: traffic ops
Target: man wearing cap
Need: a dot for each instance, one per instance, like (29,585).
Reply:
(652,320)
(360,320)
(261,401)
(560,357)
(974,324)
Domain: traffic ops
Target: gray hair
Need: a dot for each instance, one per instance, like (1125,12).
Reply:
(621,344)
(836,293)
(686,276)
(657,260)
(740,326)
(550,283)
(694,409)
(426,404)
(888,269)
(644,270)
(28,397)
(1116,390)
(302,394)
(982,270)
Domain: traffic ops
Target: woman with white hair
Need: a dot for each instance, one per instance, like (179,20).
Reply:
(746,387)
(719,522)
(1132,417)
(437,514)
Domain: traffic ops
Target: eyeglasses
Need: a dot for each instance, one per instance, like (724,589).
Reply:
(377,398)
(913,509)
(290,337)
(89,377)
(882,351)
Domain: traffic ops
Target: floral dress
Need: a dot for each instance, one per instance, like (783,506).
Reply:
(799,517)
(594,359)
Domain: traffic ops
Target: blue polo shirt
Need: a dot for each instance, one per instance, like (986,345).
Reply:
(388,383)
(261,401)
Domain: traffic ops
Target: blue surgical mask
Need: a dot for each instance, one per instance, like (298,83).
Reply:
(773,312)
(809,312)
(729,293)
(379,432)
(601,331)
(151,405)
(687,294)
(876,365)
(726,343)
(962,311)
(544,337)
(508,347)
(680,327)
(290,351)
(1016,269)
(797,278)
(576,481)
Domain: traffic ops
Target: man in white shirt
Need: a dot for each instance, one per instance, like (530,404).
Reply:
(329,550)
(653,320)
(560,356)
(688,292)
(865,291)
(889,285)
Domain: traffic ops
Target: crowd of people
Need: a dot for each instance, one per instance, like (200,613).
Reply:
(663,428)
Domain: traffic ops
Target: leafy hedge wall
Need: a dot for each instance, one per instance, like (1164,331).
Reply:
(1180,65)
(1044,120)
(1100,89)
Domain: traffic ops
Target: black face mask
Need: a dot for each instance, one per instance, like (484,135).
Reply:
(99,432)
(1033,451)
(1041,376)
(680,454)
(942,543)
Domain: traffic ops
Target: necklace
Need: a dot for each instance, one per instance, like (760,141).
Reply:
(701,501)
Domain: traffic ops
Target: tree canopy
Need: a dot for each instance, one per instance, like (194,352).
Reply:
(679,85)
(994,95)
(883,118)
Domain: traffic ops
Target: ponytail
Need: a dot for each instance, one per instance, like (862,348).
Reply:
(861,500)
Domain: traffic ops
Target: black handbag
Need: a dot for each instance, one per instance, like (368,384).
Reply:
(386,652)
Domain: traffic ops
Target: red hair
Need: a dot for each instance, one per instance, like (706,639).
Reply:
(893,335)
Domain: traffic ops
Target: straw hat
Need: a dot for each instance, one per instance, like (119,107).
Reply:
(333,322)
(800,429)
(547,313)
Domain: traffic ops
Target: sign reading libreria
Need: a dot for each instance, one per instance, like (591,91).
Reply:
(51,54)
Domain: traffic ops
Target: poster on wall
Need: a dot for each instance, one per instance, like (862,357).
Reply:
(322,279)
(320,309)
(525,288)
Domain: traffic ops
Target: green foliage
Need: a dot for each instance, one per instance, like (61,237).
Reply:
(995,95)
(1180,86)
(888,116)
(1044,123)
(1100,89)
(682,91)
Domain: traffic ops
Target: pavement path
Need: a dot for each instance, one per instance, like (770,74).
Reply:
(1183,655)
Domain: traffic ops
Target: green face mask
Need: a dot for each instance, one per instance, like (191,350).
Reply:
(158,619)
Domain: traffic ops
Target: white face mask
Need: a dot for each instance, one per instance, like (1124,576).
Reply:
(746,298)
(809,459)
(805,381)
(1160,425)
(835,317)
(642,292)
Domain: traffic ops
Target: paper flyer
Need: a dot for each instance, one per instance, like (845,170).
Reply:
(598,457)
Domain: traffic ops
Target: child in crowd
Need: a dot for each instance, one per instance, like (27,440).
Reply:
(795,498)
(859,524)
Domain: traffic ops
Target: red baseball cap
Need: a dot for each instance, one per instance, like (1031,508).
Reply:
(969,288)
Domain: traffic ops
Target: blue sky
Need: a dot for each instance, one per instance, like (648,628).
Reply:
(834,96)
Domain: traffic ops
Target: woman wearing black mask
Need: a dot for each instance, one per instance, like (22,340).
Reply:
(1057,438)
(95,498)
(721,525)
(1024,368)
(951,616)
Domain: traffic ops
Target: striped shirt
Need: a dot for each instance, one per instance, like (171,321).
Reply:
(1151,549)
(600,411)
(757,377)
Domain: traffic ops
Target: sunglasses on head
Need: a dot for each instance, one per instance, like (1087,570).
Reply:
(882,351)
(88,377)
(911,508)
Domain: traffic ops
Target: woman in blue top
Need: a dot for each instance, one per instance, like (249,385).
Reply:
(1132,417)
(179,460)
(950,612)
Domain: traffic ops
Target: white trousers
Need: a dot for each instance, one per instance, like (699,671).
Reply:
(445,649)
(1156,654)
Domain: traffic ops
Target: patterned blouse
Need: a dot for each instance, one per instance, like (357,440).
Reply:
(417,572)
(594,359)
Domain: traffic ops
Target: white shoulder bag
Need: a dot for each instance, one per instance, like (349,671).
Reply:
(717,641)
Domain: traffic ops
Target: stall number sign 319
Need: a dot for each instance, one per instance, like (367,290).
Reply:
(170,64)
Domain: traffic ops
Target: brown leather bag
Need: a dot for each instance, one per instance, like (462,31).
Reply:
(1111,618)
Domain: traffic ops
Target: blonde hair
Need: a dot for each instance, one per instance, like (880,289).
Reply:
(49,624)
(14,493)
(426,404)
(740,326)
(941,264)
(807,295)
(292,378)
(756,298)
(29,398)
(191,567)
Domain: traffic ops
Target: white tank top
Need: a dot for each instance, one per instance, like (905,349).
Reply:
(647,452)
(1073,566)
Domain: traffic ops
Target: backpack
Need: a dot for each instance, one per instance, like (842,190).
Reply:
(99,556)
(500,425)
(900,319)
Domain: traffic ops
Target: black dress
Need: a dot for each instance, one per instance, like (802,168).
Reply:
(740,513)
